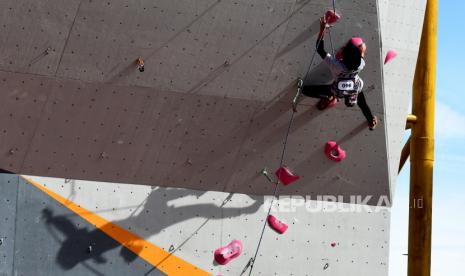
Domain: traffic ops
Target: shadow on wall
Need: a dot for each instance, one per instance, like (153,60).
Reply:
(226,153)
(156,213)
(2,171)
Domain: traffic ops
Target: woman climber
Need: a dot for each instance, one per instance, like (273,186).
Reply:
(345,68)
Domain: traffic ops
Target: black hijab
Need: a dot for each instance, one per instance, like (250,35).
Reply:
(351,56)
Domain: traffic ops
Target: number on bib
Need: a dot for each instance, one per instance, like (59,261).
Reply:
(346,85)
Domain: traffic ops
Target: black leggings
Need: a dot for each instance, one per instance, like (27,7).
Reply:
(324,91)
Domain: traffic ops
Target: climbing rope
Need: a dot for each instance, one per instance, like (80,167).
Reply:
(318,44)
(274,193)
(311,61)
(331,43)
(329,31)
(281,162)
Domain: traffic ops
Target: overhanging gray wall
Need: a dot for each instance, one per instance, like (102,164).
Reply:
(210,110)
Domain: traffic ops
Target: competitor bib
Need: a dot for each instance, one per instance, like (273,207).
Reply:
(346,85)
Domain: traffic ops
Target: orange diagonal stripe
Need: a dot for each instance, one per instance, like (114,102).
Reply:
(159,258)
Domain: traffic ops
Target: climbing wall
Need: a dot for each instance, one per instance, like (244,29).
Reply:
(209,111)
(396,15)
(195,129)
(39,236)
(9,191)
(322,239)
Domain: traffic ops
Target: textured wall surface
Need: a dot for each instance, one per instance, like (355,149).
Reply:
(9,195)
(401,24)
(210,110)
(195,223)
(48,239)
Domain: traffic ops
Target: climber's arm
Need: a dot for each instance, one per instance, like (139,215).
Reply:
(320,45)
(320,48)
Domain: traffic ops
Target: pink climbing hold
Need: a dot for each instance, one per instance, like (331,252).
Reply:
(285,175)
(331,17)
(225,254)
(334,152)
(391,54)
(333,244)
(277,225)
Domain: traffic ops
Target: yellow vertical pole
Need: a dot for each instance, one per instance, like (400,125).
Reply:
(422,149)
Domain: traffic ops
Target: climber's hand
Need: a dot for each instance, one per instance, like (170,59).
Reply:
(323,23)
(323,26)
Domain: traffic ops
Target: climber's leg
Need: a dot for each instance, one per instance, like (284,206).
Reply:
(362,103)
(317,91)
(322,92)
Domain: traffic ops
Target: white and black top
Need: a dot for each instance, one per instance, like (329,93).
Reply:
(346,82)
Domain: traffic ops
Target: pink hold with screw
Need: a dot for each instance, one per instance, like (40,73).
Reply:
(277,225)
(225,254)
(286,176)
(334,152)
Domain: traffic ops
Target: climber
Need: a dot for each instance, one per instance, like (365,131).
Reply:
(345,68)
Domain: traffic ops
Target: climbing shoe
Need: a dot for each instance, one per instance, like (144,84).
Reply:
(327,103)
(372,125)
